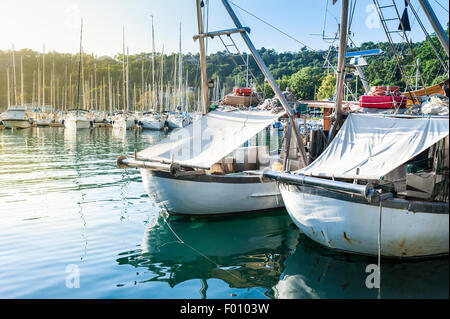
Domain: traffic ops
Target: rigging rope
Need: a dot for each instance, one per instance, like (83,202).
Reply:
(272,26)
(441,6)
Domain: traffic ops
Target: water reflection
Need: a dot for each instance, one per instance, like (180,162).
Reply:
(244,251)
(315,272)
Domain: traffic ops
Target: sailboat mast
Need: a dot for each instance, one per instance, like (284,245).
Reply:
(43,75)
(21,81)
(95,87)
(7,84)
(110,90)
(79,66)
(14,76)
(162,81)
(153,67)
(180,74)
(123,72)
(128,85)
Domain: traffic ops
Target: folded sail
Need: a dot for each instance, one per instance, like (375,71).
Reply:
(209,139)
(376,145)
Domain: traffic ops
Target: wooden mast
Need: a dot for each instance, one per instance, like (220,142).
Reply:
(204,74)
(340,70)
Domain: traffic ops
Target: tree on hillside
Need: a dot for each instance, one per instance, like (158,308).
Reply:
(304,82)
(327,88)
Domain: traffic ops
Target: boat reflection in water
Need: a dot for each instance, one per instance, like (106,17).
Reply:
(243,251)
(316,272)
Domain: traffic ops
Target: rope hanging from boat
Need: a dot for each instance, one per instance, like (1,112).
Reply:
(379,248)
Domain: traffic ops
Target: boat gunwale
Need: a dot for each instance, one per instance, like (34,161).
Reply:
(212,178)
(413,206)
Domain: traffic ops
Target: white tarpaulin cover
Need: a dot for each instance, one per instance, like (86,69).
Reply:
(209,139)
(377,145)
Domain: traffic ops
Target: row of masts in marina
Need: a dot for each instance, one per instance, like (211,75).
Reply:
(108,94)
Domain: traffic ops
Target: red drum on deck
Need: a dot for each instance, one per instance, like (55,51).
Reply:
(243,91)
(382,102)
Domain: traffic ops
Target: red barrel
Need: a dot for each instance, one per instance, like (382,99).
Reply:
(243,91)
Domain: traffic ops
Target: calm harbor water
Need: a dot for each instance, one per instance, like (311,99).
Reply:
(66,208)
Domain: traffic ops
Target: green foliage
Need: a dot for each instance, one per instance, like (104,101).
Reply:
(305,82)
(327,88)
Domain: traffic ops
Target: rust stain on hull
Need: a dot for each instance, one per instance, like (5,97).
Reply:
(347,239)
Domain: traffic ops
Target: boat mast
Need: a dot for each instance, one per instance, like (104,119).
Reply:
(79,67)
(204,74)
(110,92)
(43,75)
(180,75)
(340,70)
(128,84)
(440,33)
(152,99)
(7,84)
(161,90)
(21,81)
(14,76)
(123,70)
(270,79)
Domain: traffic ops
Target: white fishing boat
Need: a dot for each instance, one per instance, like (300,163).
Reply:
(201,169)
(373,152)
(380,188)
(77,119)
(150,121)
(17,117)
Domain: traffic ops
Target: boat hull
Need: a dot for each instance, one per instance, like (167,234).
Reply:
(155,125)
(124,124)
(341,222)
(77,124)
(15,123)
(210,194)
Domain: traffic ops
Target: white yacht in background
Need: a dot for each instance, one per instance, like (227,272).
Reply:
(152,121)
(77,119)
(124,121)
(177,120)
(17,117)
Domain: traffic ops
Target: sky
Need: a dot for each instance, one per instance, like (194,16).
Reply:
(56,23)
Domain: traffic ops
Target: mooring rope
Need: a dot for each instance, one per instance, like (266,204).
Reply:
(204,256)
(379,248)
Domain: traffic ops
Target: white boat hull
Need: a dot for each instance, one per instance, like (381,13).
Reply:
(211,196)
(77,124)
(15,123)
(44,122)
(124,124)
(152,124)
(344,224)
(176,122)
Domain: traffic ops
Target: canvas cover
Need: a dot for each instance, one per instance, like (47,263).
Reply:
(376,144)
(210,138)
